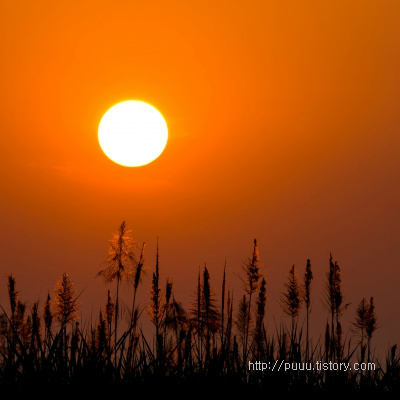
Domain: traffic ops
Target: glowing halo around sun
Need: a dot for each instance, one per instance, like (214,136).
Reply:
(133,133)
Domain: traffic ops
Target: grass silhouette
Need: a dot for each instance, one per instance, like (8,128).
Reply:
(205,349)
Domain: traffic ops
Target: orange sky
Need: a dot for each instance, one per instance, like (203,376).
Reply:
(284,126)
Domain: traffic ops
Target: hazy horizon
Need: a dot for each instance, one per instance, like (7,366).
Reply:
(283,126)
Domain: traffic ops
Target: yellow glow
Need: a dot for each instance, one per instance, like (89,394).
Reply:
(133,133)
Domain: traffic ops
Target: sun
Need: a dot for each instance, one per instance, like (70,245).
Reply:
(133,133)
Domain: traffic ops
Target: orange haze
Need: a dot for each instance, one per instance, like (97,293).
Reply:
(284,126)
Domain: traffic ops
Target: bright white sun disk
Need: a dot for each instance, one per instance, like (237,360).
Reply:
(133,133)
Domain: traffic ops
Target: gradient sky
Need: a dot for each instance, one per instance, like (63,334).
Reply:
(284,126)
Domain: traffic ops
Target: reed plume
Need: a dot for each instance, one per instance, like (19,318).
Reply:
(12,295)
(138,277)
(252,270)
(209,313)
(259,335)
(65,300)
(334,300)
(366,324)
(85,355)
(308,277)
(361,323)
(291,299)
(109,311)
(223,306)
(155,305)
(47,316)
(120,265)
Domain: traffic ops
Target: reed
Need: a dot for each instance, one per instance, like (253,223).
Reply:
(204,348)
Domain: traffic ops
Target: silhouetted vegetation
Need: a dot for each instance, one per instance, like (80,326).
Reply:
(206,346)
